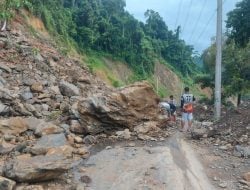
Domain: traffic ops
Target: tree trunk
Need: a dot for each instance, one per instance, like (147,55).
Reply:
(238,99)
(3,26)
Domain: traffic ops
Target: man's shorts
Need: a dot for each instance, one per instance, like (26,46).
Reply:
(187,116)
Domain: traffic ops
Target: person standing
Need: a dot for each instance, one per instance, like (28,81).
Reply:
(187,100)
(172,104)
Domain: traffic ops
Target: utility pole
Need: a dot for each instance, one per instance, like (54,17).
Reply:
(218,61)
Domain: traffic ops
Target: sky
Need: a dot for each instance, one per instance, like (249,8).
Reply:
(197,18)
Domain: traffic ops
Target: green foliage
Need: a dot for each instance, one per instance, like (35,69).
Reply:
(239,24)
(8,7)
(105,26)
(236,75)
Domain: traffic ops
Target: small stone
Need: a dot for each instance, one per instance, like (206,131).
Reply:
(78,139)
(82,170)
(5,68)
(108,147)
(83,152)
(37,87)
(86,179)
(6,184)
(89,139)
(215,178)
(246,176)
(80,187)
(223,185)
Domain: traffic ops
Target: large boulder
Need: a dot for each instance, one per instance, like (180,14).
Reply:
(125,108)
(13,126)
(38,168)
(6,184)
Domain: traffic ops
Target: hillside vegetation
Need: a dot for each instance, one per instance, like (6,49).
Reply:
(103,28)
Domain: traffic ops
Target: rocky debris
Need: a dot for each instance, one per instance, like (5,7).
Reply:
(68,89)
(223,185)
(83,151)
(85,179)
(6,184)
(202,130)
(78,139)
(4,67)
(47,129)
(126,134)
(38,168)
(37,87)
(65,150)
(13,126)
(125,108)
(5,147)
(246,176)
(242,151)
(146,137)
(47,142)
(75,127)
(30,187)
(147,127)
(89,139)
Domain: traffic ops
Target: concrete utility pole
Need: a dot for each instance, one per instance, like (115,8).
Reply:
(218,61)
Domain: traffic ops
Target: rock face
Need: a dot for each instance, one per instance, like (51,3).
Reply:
(125,108)
(13,126)
(68,89)
(38,168)
(6,184)
(47,142)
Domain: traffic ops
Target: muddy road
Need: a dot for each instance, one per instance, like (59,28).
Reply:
(171,166)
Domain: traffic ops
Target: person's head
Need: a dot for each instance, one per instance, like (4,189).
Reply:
(171,97)
(186,89)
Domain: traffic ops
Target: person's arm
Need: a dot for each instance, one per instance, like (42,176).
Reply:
(182,102)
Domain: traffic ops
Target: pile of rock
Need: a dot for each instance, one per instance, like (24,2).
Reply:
(54,105)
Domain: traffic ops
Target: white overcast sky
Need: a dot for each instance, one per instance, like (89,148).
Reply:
(187,14)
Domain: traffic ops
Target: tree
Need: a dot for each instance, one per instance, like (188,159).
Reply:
(236,75)
(238,23)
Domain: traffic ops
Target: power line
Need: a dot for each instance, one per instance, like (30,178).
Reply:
(209,20)
(197,21)
(188,13)
(178,13)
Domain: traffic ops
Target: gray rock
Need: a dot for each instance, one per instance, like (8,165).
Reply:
(244,151)
(5,68)
(89,139)
(26,94)
(28,81)
(48,141)
(5,94)
(38,168)
(4,110)
(68,89)
(38,57)
(6,184)
(33,110)
(75,127)
(65,127)
(6,148)
(13,126)
(2,81)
